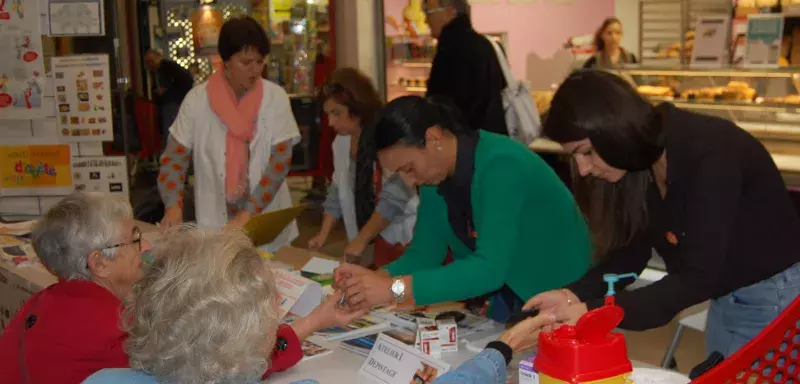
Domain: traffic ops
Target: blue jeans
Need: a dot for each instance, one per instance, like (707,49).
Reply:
(736,318)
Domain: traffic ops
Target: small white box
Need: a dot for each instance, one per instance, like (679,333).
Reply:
(428,340)
(527,373)
(448,335)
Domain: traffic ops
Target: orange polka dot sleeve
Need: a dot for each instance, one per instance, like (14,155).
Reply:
(172,173)
(273,176)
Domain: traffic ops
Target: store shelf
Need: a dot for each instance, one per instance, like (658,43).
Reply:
(410,89)
(724,105)
(412,63)
(785,162)
(781,73)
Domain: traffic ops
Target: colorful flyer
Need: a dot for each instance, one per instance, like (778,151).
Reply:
(764,36)
(75,18)
(82,88)
(22,65)
(27,170)
(100,174)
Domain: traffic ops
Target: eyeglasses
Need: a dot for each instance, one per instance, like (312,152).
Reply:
(137,234)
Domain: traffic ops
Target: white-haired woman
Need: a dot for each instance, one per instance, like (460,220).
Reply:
(206,311)
(70,330)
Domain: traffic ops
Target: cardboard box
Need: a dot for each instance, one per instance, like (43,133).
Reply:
(448,335)
(527,373)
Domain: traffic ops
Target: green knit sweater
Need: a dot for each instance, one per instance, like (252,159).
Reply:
(530,233)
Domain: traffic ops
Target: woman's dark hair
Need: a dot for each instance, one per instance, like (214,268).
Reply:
(627,133)
(240,33)
(598,36)
(353,89)
(405,120)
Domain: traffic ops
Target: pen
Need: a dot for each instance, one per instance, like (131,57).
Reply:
(343,300)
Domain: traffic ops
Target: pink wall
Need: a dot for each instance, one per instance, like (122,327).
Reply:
(540,27)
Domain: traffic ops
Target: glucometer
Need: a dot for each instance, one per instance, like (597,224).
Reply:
(516,318)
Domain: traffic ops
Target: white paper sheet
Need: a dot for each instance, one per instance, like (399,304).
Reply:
(320,266)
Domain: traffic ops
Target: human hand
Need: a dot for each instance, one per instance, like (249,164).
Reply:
(330,314)
(425,375)
(368,290)
(572,313)
(525,335)
(239,221)
(551,301)
(355,248)
(346,272)
(316,242)
(172,216)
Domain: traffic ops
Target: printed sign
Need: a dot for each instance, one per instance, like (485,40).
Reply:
(298,295)
(22,65)
(75,18)
(394,362)
(764,35)
(83,98)
(711,41)
(100,174)
(35,170)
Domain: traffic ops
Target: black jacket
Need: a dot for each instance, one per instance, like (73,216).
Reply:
(466,70)
(727,222)
(176,81)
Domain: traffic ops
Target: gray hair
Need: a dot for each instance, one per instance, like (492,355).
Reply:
(204,312)
(462,7)
(76,226)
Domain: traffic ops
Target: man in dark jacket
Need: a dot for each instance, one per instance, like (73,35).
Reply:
(465,68)
(173,82)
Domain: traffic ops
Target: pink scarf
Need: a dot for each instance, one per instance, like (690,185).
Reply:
(240,118)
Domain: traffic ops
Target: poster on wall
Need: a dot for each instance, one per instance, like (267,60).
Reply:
(22,65)
(711,42)
(83,97)
(764,36)
(75,18)
(106,174)
(36,169)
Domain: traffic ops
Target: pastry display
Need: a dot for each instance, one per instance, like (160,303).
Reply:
(790,99)
(734,91)
(542,100)
(674,50)
(655,90)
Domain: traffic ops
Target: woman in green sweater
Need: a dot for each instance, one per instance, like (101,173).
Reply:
(512,226)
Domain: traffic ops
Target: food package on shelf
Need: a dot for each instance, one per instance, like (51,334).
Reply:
(674,49)
(734,91)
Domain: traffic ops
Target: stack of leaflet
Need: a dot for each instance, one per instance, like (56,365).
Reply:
(367,325)
(363,345)
(468,325)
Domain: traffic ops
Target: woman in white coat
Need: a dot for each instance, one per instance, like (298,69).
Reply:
(378,213)
(239,131)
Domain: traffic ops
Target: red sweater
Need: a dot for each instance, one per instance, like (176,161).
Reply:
(71,330)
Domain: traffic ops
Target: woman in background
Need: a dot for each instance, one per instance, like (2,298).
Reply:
(239,130)
(484,196)
(387,217)
(206,311)
(700,190)
(610,53)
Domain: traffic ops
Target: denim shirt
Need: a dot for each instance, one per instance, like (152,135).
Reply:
(489,367)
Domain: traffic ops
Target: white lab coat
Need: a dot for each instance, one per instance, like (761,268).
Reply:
(399,231)
(198,128)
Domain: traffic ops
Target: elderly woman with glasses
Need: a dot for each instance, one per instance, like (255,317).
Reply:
(70,330)
(206,311)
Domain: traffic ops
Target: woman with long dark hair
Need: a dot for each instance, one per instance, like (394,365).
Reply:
(352,104)
(487,198)
(701,191)
(607,41)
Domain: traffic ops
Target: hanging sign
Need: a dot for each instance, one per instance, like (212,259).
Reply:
(100,174)
(711,41)
(75,18)
(764,36)
(27,170)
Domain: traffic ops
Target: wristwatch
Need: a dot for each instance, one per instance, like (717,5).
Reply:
(398,289)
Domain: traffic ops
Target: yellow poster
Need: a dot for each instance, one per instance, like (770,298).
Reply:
(35,170)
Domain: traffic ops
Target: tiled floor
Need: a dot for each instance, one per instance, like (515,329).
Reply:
(648,347)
